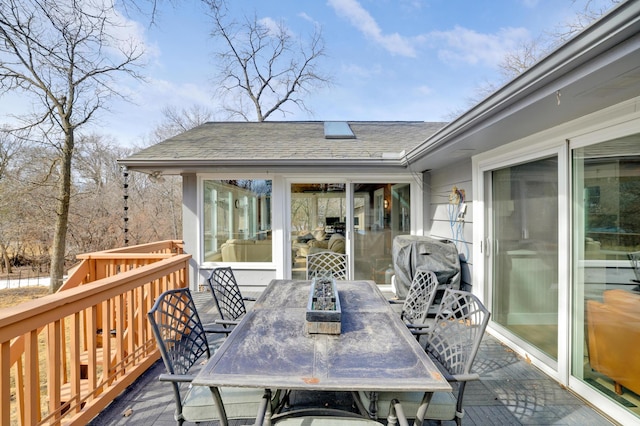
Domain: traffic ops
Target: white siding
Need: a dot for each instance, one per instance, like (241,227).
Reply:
(438,213)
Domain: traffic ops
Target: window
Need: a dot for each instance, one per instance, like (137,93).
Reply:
(237,220)
(606,235)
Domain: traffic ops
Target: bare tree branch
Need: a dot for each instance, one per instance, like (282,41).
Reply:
(176,121)
(264,64)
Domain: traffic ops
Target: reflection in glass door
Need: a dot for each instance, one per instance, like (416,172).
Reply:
(381,211)
(524,260)
(320,221)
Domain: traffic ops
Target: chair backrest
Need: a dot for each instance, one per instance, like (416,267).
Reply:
(327,264)
(178,330)
(459,326)
(634,257)
(226,293)
(420,297)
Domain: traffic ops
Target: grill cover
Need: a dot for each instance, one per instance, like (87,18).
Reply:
(411,252)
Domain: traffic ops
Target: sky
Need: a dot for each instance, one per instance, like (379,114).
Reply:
(389,59)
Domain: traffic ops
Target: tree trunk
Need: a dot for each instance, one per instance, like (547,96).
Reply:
(6,262)
(62,216)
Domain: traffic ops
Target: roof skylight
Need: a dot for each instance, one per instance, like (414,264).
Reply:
(338,130)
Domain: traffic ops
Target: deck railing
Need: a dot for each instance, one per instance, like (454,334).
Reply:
(66,356)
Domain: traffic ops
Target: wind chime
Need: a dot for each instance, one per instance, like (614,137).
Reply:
(125,173)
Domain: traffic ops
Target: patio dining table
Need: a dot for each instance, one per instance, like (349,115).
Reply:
(374,351)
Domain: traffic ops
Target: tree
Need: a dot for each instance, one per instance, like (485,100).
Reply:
(63,54)
(155,206)
(9,147)
(25,195)
(262,68)
(176,121)
(97,209)
(588,11)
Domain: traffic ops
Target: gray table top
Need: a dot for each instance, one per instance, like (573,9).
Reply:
(270,349)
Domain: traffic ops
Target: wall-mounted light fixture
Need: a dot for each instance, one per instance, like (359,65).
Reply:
(386,203)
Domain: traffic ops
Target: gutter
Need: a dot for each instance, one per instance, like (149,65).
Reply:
(133,164)
(618,25)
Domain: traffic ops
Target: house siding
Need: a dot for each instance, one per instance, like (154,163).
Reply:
(190,223)
(437,215)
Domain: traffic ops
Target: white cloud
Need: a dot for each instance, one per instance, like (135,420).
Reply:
(468,46)
(360,71)
(306,17)
(126,34)
(132,121)
(394,43)
(271,25)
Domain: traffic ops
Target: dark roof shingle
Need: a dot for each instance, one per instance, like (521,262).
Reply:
(287,140)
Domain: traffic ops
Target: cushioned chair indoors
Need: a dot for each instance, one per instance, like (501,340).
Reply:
(327,263)
(183,345)
(452,342)
(228,298)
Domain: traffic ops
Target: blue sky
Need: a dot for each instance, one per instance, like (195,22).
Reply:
(390,59)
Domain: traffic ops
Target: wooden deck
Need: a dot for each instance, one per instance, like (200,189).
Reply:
(510,392)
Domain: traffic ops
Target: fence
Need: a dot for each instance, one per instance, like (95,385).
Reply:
(23,278)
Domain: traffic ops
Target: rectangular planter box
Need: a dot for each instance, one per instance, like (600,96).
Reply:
(323,314)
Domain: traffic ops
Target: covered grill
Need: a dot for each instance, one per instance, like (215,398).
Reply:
(411,252)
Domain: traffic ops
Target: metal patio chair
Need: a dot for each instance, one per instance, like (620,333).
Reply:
(319,416)
(183,344)
(228,298)
(327,263)
(422,292)
(452,342)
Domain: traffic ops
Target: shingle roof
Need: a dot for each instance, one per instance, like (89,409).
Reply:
(287,140)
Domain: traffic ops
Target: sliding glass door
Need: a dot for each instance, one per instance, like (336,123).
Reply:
(318,222)
(381,211)
(522,211)
(359,219)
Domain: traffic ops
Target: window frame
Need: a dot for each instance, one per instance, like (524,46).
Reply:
(201,178)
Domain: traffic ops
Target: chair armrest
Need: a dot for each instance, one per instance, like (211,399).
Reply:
(166,377)
(420,329)
(226,322)
(462,377)
(216,329)
(249,298)
(396,301)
